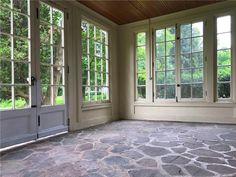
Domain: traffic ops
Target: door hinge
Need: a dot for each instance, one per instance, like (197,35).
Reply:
(33,106)
(37,13)
(38,120)
(68,121)
(176,99)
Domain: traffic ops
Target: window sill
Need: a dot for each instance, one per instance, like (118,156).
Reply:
(95,106)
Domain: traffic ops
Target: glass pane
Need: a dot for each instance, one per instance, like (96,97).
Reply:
(46,95)
(197,91)
(186,76)
(84,45)
(224,90)
(99,64)
(44,12)
(91,47)
(45,54)
(21,96)
(21,49)
(92,63)
(160,77)
(85,62)
(99,93)
(197,60)
(224,24)
(185,61)
(45,33)
(170,62)
(170,48)
(5,47)
(105,79)
(59,95)
(21,73)
(224,41)
(160,91)
(223,57)
(85,91)
(57,17)
(170,34)
(92,78)
(141,66)
(58,75)
(105,93)
(98,49)
(197,44)
(104,37)
(105,66)
(91,30)
(185,91)
(224,73)
(185,31)
(141,79)
(141,53)
(45,74)
(21,6)
(104,51)
(85,77)
(58,56)
(141,39)
(160,35)
(170,77)
(57,36)
(198,75)
(92,94)
(20,23)
(5,3)
(98,35)
(84,29)
(160,49)
(142,92)
(185,46)
(99,79)
(197,29)
(5,72)
(5,97)
(5,21)
(170,91)
(160,64)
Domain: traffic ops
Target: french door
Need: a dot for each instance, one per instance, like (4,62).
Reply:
(32,71)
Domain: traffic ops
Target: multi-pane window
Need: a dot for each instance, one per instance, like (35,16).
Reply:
(165,67)
(191,60)
(15,61)
(95,63)
(140,65)
(52,65)
(223,56)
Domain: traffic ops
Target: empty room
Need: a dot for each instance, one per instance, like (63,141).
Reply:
(125,88)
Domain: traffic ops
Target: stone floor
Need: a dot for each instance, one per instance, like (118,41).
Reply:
(129,148)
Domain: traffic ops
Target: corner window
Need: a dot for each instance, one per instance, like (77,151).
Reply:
(140,58)
(95,63)
(224,58)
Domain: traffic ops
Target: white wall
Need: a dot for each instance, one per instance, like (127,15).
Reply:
(207,111)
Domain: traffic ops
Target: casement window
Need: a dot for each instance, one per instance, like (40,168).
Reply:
(95,63)
(15,61)
(223,56)
(140,60)
(179,69)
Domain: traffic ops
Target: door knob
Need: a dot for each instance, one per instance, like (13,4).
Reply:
(33,80)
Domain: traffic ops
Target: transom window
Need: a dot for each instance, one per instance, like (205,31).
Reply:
(141,65)
(15,61)
(95,63)
(224,57)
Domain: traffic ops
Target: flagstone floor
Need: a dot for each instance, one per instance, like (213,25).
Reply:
(129,148)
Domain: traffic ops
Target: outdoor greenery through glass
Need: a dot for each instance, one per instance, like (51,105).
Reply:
(15,61)
(95,63)
(52,65)
(141,65)
(223,56)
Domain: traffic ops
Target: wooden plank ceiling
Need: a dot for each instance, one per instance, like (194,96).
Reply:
(127,11)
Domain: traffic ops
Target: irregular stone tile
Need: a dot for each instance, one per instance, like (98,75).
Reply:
(141,140)
(145,173)
(193,145)
(84,147)
(221,169)
(210,160)
(17,155)
(229,136)
(175,159)
(94,154)
(173,170)
(231,143)
(205,152)
(113,140)
(154,151)
(232,163)
(85,165)
(188,155)
(146,162)
(210,142)
(179,150)
(34,174)
(92,175)
(120,148)
(116,160)
(132,154)
(220,147)
(197,171)
(232,154)
(165,144)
